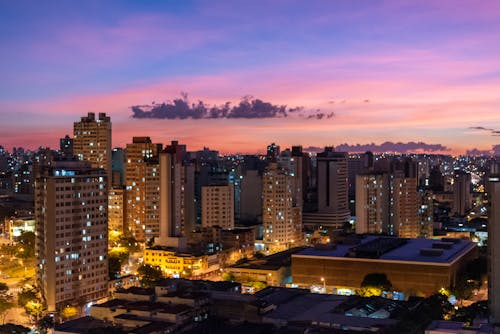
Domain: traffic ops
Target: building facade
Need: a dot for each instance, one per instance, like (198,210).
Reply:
(332,185)
(217,203)
(71,206)
(493,245)
(116,209)
(372,203)
(92,140)
(141,188)
(281,219)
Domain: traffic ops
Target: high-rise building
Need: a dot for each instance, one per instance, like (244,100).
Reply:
(142,188)
(426,213)
(282,221)
(494,245)
(251,196)
(461,192)
(116,209)
(272,153)
(66,146)
(333,185)
(71,207)
(92,141)
(176,204)
(390,203)
(372,203)
(217,204)
(118,167)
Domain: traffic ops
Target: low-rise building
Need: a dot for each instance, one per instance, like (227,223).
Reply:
(273,269)
(413,266)
(176,264)
(15,226)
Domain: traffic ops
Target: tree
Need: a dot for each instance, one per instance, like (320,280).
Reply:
(463,288)
(34,308)
(69,312)
(374,284)
(114,266)
(26,245)
(437,306)
(4,308)
(25,296)
(149,275)
(378,280)
(3,287)
(469,313)
(228,276)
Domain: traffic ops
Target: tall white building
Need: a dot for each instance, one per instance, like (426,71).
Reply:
(282,221)
(71,246)
(217,206)
(176,198)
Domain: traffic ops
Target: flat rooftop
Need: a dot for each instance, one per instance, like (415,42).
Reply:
(81,325)
(443,251)
(270,262)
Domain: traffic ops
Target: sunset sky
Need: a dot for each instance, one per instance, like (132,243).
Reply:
(389,70)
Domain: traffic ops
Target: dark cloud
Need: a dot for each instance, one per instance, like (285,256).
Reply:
(388,146)
(477,152)
(321,115)
(491,131)
(248,107)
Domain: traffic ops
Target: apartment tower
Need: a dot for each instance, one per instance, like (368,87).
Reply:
(71,246)
(92,141)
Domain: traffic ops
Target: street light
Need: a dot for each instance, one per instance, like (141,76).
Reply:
(324,284)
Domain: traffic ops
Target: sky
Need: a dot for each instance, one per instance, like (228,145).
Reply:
(388,71)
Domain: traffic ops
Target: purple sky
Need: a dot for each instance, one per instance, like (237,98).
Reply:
(389,70)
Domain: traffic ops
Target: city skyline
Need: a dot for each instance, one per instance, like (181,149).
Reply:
(394,72)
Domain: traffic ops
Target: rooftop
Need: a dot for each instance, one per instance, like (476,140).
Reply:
(445,250)
(81,325)
(271,262)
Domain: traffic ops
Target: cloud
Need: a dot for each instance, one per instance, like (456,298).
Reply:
(493,132)
(248,107)
(478,152)
(399,147)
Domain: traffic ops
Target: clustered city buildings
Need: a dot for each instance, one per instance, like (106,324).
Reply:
(324,219)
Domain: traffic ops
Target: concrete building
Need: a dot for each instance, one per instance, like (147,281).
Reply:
(142,188)
(217,203)
(116,209)
(282,221)
(426,214)
(461,192)
(494,246)
(92,141)
(373,193)
(71,212)
(177,212)
(404,220)
(251,196)
(273,269)
(179,264)
(332,185)
(13,227)
(413,266)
